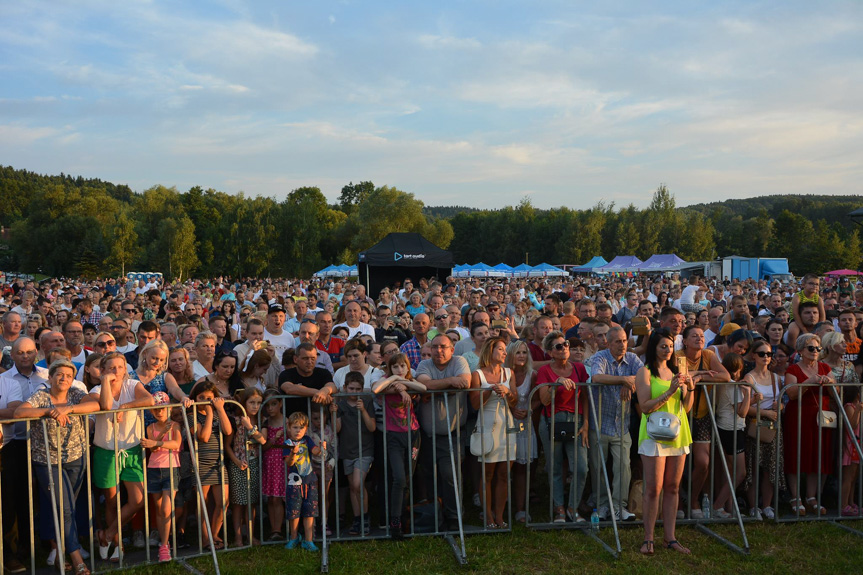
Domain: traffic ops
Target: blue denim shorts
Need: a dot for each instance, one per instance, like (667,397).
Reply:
(159,479)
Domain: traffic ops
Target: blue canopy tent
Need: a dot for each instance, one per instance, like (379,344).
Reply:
(590,267)
(323,273)
(620,264)
(546,270)
(507,270)
(521,270)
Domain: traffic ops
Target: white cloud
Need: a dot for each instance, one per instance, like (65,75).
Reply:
(434,41)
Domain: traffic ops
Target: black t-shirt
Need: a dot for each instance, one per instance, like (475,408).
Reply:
(317,380)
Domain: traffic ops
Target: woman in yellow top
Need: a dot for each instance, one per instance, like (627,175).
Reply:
(661,388)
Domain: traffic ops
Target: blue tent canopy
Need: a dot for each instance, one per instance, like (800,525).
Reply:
(595,262)
(323,273)
(502,267)
(521,270)
(546,270)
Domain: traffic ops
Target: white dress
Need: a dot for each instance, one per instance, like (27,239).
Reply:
(497,418)
(521,437)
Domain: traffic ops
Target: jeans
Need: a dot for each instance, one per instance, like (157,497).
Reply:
(576,454)
(72,476)
(399,460)
(440,454)
(619,448)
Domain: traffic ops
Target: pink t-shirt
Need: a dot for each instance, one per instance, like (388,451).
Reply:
(397,414)
(160,458)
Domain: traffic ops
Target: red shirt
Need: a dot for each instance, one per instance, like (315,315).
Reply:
(565,399)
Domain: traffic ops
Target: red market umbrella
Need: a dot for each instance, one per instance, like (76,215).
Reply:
(843,273)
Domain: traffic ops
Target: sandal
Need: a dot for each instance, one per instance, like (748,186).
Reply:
(812,502)
(676,546)
(559,515)
(491,526)
(81,569)
(797,507)
(647,547)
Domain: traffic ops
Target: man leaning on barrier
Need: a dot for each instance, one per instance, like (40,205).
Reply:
(443,371)
(614,370)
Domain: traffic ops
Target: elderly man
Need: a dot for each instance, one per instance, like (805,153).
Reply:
(614,369)
(16,386)
(308,333)
(442,417)
(10,333)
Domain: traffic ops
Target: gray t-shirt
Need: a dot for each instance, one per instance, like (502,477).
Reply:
(349,442)
(433,414)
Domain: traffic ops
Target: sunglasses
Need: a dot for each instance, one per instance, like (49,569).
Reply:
(561,346)
(244,315)
(814,348)
(106,344)
(764,353)
(442,316)
(129,309)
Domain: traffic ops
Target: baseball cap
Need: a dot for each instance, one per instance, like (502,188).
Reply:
(275,308)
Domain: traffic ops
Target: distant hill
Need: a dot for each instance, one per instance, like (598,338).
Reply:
(829,208)
(446,212)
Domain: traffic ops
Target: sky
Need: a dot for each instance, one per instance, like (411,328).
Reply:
(479,103)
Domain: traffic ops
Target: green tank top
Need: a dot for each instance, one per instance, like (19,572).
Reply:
(658,387)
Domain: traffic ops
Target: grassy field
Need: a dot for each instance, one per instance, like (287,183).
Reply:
(801,548)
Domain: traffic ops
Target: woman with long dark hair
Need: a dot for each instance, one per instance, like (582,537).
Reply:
(661,388)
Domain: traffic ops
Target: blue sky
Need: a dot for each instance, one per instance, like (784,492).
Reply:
(473,103)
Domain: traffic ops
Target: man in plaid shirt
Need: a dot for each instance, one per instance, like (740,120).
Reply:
(413,347)
(85,309)
(614,370)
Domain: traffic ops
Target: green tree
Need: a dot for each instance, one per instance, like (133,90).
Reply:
(123,242)
(180,246)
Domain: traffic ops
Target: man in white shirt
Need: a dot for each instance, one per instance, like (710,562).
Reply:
(18,384)
(353,323)
(120,331)
(278,337)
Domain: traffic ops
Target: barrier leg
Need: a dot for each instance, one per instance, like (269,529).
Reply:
(460,554)
(606,483)
(700,526)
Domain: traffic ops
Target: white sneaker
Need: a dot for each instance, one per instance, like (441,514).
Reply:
(477,502)
(755,513)
(769,513)
(681,514)
(697,514)
(602,512)
(154,540)
(623,514)
(721,514)
(138,540)
(52,558)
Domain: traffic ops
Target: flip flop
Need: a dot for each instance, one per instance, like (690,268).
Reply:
(679,548)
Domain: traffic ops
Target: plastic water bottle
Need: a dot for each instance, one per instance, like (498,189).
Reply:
(705,506)
(594,521)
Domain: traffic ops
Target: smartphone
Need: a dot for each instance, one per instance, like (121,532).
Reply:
(682,366)
(498,324)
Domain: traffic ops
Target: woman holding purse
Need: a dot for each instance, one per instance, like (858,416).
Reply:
(665,394)
(763,445)
(494,400)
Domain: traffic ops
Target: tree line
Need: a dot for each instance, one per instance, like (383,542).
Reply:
(71,226)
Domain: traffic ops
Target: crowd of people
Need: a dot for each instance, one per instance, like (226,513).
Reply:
(334,382)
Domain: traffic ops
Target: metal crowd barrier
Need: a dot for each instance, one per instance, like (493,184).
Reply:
(595,413)
(456,446)
(845,431)
(56,491)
